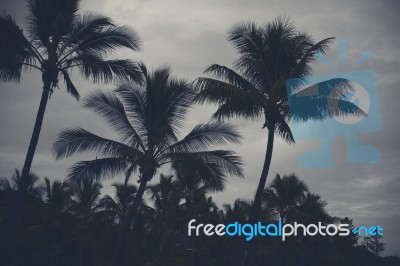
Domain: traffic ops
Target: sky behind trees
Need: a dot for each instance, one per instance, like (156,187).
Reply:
(190,35)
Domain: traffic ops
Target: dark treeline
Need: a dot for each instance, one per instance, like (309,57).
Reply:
(72,223)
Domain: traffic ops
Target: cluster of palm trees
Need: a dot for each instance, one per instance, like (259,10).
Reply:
(72,223)
(147,109)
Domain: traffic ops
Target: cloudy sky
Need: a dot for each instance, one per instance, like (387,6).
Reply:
(189,35)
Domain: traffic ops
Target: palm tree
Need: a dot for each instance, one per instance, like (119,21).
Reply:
(118,206)
(269,56)
(58,40)
(239,211)
(284,197)
(194,180)
(57,197)
(289,198)
(11,189)
(165,198)
(165,216)
(85,205)
(285,194)
(147,117)
(310,210)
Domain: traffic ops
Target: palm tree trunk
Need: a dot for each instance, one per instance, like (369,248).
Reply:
(36,131)
(282,246)
(189,216)
(9,242)
(116,258)
(263,178)
(255,210)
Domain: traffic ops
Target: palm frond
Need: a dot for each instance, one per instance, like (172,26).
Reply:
(76,140)
(82,26)
(230,76)
(99,169)
(71,89)
(237,101)
(15,50)
(203,136)
(302,68)
(284,131)
(179,98)
(133,97)
(109,107)
(50,19)
(98,69)
(98,35)
(195,175)
(226,161)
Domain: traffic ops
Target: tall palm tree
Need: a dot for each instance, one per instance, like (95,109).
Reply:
(255,88)
(147,117)
(59,39)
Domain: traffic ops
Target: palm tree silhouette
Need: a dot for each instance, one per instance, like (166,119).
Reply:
(289,198)
(193,181)
(12,189)
(284,194)
(57,197)
(310,210)
(147,117)
(165,215)
(269,56)
(85,205)
(118,208)
(58,40)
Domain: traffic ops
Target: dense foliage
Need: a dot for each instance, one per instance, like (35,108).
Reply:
(72,223)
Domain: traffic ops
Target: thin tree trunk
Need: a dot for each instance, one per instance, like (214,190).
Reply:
(282,248)
(116,258)
(36,131)
(9,241)
(255,210)
(189,216)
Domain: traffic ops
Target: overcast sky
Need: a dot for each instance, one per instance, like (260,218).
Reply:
(189,35)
